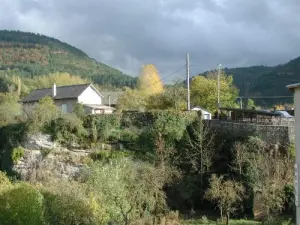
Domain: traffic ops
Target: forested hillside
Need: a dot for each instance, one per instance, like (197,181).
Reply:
(29,55)
(263,81)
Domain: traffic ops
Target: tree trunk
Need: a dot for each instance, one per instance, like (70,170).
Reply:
(227,218)
(221,212)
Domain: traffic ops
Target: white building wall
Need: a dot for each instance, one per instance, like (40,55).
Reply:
(297,142)
(89,96)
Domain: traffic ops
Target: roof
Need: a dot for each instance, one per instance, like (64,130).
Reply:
(293,86)
(95,106)
(202,109)
(258,112)
(62,92)
(113,97)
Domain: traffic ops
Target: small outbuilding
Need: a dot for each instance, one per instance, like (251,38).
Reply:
(205,114)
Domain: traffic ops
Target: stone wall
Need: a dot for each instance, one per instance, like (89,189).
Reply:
(275,134)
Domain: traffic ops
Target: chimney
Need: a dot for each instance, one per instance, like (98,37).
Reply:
(54,90)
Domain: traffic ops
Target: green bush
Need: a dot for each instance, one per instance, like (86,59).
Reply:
(22,204)
(41,116)
(289,197)
(68,129)
(129,135)
(103,127)
(106,155)
(70,203)
(17,154)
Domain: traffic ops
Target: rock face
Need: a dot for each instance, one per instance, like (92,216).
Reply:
(38,141)
(43,158)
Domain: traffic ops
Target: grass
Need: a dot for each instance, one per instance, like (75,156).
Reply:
(204,220)
(210,222)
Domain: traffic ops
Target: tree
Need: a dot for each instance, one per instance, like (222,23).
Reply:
(250,104)
(225,193)
(132,99)
(58,78)
(267,172)
(204,91)
(129,190)
(173,98)
(198,151)
(149,80)
(41,115)
(10,108)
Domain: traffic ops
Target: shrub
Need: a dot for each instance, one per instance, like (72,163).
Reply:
(128,189)
(4,182)
(289,197)
(20,205)
(68,129)
(17,154)
(78,109)
(42,115)
(104,126)
(70,203)
(105,155)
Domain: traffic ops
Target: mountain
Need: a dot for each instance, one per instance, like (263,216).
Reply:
(29,55)
(264,84)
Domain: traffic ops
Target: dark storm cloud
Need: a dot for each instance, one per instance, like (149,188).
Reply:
(128,33)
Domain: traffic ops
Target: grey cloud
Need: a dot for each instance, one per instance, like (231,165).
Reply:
(128,33)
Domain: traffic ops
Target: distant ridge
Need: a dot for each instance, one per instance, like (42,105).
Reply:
(29,55)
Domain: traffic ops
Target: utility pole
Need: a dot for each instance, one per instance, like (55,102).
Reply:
(188,81)
(219,71)
(241,102)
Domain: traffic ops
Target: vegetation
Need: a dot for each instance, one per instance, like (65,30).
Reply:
(225,193)
(168,163)
(152,167)
(31,55)
(204,91)
(149,81)
(266,81)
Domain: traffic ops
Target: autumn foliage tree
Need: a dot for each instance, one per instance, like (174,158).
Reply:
(149,86)
(149,80)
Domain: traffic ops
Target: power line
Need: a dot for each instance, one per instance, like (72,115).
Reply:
(282,78)
(265,97)
(180,68)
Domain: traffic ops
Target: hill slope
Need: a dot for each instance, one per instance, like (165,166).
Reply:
(32,55)
(262,81)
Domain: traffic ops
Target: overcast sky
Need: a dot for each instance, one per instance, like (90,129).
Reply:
(128,33)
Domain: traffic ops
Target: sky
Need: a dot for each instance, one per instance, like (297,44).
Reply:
(127,34)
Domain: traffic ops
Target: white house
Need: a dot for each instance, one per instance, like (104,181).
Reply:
(65,97)
(205,114)
(295,88)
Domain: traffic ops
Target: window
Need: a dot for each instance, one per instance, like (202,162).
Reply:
(64,108)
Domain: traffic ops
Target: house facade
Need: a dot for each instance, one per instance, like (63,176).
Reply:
(65,97)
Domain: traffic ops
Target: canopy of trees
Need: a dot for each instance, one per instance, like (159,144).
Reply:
(32,55)
(204,91)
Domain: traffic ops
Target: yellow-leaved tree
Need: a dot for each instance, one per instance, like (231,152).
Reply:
(149,81)
(60,79)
